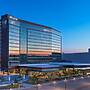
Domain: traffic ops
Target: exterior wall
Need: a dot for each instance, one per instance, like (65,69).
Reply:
(0,43)
(4,42)
(27,42)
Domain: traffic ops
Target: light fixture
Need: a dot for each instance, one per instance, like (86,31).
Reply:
(65,80)
(54,82)
(13,18)
(39,85)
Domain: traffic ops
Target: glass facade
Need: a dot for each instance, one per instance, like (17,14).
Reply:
(32,43)
(14,42)
(0,43)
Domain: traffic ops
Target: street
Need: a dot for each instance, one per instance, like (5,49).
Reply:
(73,84)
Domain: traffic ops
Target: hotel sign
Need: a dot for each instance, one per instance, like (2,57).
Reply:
(13,18)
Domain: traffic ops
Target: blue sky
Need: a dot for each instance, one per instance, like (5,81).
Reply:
(71,17)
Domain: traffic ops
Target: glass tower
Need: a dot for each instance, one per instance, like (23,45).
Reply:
(27,42)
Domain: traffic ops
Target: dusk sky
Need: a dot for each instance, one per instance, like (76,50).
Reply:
(71,17)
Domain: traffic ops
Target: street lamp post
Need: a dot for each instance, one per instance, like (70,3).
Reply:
(82,77)
(38,85)
(65,83)
(74,79)
(54,82)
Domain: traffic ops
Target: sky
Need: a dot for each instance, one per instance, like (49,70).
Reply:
(71,17)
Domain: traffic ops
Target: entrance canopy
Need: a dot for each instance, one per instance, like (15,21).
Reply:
(52,66)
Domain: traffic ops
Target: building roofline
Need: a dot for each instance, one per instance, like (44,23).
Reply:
(32,22)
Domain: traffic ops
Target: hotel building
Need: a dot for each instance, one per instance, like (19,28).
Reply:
(23,42)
